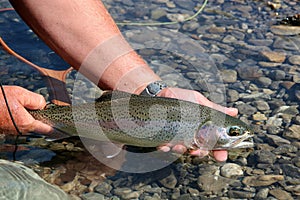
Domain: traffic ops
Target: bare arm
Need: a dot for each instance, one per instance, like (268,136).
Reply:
(74,28)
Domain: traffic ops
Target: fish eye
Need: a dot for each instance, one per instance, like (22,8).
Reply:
(234,131)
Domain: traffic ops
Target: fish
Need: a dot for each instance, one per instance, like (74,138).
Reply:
(143,121)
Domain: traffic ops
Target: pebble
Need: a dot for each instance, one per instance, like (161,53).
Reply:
(259,117)
(246,109)
(231,170)
(103,188)
(169,181)
(229,76)
(264,81)
(240,194)
(277,75)
(264,156)
(261,105)
(263,180)
(285,30)
(213,183)
(262,194)
(92,196)
(249,72)
(293,132)
(232,95)
(277,140)
(295,59)
(281,194)
(273,56)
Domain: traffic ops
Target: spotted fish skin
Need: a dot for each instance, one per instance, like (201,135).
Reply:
(135,120)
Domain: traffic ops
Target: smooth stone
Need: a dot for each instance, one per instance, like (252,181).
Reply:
(285,30)
(274,139)
(277,75)
(263,180)
(284,149)
(194,192)
(269,64)
(158,13)
(273,56)
(249,72)
(281,194)
(295,59)
(103,188)
(246,109)
(296,78)
(293,132)
(259,117)
(261,105)
(169,181)
(289,110)
(264,156)
(290,170)
(229,76)
(232,95)
(92,196)
(213,183)
(230,170)
(264,81)
(262,194)
(240,194)
(185,197)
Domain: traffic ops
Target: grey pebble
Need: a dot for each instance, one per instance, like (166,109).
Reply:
(295,59)
(232,95)
(293,132)
(261,105)
(229,76)
(264,156)
(103,188)
(290,170)
(284,149)
(169,181)
(240,194)
(277,75)
(264,81)
(230,170)
(92,196)
(249,72)
(246,109)
(262,194)
(281,194)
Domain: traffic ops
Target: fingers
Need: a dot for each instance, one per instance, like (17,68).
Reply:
(40,127)
(220,155)
(29,99)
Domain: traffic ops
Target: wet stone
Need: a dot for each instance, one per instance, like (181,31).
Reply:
(293,132)
(169,181)
(262,194)
(273,56)
(263,180)
(230,170)
(290,170)
(213,183)
(246,109)
(240,194)
(276,140)
(232,95)
(264,81)
(249,72)
(285,30)
(281,194)
(261,105)
(284,149)
(263,156)
(103,188)
(229,76)
(295,59)
(277,75)
(92,196)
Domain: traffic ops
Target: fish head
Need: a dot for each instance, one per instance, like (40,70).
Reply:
(211,136)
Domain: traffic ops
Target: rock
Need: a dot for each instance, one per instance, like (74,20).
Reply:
(194,192)
(293,132)
(276,140)
(232,95)
(262,194)
(296,78)
(263,180)
(295,60)
(273,56)
(103,188)
(213,183)
(264,156)
(261,105)
(284,149)
(277,75)
(92,196)
(274,121)
(281,194)
(169,181)
(240,194)
(290,170)
(285,30)
(296,161)
(259,117)
(230,170)
(249,72)
(246,109)
(158,13)
(229,76)
(126,193)
(264,81)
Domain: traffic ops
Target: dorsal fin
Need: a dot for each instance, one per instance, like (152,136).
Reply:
(114,94)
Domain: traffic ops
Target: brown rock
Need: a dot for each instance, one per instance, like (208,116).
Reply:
(263,180)
(274,56)
(281,194)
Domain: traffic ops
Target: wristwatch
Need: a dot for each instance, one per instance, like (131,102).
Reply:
(154,88)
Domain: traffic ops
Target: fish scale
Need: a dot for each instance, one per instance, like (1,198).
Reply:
(137,120)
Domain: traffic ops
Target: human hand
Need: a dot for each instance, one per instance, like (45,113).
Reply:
(196,97)
(18,100)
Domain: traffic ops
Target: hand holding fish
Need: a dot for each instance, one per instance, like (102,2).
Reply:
(196,97)
(18,100)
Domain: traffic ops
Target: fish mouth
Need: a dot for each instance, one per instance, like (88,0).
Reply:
(245,143)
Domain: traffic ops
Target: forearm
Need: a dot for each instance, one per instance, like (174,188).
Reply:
(74,28)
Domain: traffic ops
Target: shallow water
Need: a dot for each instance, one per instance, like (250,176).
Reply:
(234,52)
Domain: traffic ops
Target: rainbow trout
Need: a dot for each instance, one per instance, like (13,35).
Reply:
(148,122)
